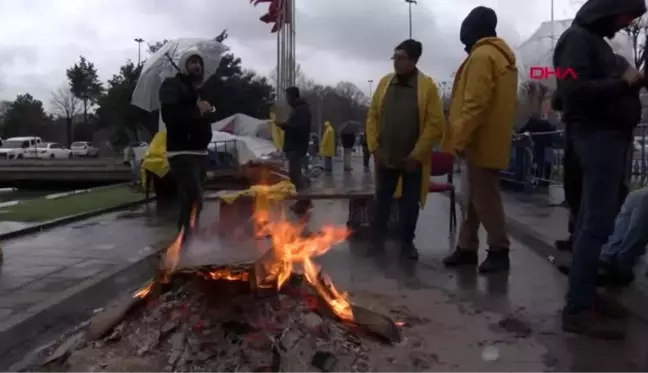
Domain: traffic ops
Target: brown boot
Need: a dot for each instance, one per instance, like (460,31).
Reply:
(589,323)
(461,257)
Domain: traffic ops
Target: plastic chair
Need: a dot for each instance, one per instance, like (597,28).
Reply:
(443,164)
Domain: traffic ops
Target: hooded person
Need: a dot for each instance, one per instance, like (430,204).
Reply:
(327,146)
(188,132)
(600,112)
(481,115)
(404,123)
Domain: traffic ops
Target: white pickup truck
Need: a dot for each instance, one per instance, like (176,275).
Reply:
(17,147)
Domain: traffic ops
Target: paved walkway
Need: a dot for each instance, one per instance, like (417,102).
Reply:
(39,267)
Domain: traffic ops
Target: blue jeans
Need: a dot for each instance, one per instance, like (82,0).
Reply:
(630,237)
(602,157)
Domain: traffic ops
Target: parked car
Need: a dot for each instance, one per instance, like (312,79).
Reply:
(48,150)
(16,147)
(84,149)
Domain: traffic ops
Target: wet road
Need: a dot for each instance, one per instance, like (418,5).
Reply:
(458,320)
(463,311)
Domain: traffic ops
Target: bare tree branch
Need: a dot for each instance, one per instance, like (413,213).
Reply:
(65,104)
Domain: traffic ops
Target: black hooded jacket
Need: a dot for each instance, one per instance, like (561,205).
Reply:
(598,98)
(297,129)
(187,128)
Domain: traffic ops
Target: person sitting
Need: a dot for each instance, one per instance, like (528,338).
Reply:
(626,244)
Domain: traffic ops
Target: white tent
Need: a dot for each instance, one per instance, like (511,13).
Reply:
(244,125)
(537,49)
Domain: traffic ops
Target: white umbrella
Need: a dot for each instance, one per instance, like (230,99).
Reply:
(164,64)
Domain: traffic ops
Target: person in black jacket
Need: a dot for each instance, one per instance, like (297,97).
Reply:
(595,109)
(188,123)
(296,139)
(348,139)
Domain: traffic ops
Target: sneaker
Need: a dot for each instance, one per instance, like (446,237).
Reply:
(563,245)
(496,261)
(409,251)
(461,257)
(588,323)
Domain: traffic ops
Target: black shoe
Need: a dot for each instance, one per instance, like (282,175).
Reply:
(590,324)
(496,261)
(563,245)
(461,257)
(409,251)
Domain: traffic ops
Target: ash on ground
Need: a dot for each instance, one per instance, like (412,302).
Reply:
(192,328)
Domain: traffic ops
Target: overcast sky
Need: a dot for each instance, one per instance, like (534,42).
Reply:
(336,39)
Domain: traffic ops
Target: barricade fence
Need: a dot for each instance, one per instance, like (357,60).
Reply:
(537,159)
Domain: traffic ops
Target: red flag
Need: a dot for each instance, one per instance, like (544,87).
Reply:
(283,15)
(257,2)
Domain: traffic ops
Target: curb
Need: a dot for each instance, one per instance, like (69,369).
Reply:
(633,300)
(46,321)
(70,219)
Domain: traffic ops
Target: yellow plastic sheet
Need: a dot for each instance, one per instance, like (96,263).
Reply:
(155,159)
(272,193)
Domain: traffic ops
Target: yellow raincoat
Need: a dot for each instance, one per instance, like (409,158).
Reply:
(327,145)
(431,125)
(483,105)
(277,133)
(155,159)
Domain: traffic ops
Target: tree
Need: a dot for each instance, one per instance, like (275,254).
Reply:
(66,106)
(85,84)
(25,116)
(4,107)
(115,109)
(234,90)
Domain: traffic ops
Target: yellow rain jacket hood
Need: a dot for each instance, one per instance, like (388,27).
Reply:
(483,105)
(327,145)
(431,125)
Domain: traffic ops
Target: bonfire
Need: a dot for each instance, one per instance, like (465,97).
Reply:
(265,307)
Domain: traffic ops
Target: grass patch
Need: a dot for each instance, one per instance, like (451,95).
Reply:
(40,209)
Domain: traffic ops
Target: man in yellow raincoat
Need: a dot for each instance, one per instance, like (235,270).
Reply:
(482,109)
(404,122)
(327,146)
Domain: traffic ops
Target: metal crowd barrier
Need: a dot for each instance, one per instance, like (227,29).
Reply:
(537,159)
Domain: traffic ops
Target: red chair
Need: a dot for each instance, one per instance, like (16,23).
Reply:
(443,164)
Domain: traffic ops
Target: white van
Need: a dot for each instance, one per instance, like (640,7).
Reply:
(15,147)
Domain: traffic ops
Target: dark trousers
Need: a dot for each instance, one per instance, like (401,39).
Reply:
(365,156)
(408,204)
(189,172)
(573,185)
(602,158)
(296,163)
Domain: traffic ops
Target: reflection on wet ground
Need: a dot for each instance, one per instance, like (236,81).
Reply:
(514,317)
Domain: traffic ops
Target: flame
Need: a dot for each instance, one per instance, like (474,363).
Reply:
(142,293)
(172,255)
(290,248)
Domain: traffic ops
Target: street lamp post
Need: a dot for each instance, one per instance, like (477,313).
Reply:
(139,42)
(370,87)
(409,3)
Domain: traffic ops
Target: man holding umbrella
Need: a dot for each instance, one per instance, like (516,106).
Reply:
(188,123)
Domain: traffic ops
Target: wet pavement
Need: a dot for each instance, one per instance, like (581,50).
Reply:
(470,322)
(40,267)
(458,320)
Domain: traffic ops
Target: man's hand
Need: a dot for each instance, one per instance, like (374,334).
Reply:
(204,106)
(632,76)
(411,164)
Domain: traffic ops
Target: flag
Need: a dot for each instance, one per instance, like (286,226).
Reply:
(278,13)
